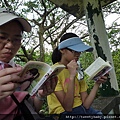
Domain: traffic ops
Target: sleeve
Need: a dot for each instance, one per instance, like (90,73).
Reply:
(83,86)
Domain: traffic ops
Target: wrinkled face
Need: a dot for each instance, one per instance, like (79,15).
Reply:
(10,40)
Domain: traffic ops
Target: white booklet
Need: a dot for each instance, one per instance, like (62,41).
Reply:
(35,74)
(97,69)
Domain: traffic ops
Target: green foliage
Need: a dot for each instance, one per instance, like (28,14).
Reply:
(86,59)
(44,109)
(48,58)
(116,60)
(22,59)
(113,35)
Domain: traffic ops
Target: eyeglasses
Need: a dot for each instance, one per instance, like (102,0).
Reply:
(4,38)
(74,52)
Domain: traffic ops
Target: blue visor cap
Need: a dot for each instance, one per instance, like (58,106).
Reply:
(76,44)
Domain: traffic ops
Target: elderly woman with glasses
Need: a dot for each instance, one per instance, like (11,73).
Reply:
(11,31)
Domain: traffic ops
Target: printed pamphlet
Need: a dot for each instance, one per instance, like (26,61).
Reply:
(35,73)
(97,69)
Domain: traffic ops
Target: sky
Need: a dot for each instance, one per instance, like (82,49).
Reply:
(111,18)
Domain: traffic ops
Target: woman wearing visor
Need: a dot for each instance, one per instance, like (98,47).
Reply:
(70,96)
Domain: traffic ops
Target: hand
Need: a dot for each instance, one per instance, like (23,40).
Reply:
(102,79)
(8,79)
(48,87)
(72,67)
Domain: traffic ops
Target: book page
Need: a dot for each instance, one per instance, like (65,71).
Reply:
(38,85)
(53,71)
(35,74)
(97,65)
(98,68)
(32,74)
(57,68)
(102,73)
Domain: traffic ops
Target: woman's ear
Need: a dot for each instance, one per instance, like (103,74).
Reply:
(61,51)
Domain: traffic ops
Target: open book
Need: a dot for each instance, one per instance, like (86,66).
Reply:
(97,69)
(35,73)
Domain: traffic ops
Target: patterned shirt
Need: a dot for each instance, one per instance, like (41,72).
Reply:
(8,108)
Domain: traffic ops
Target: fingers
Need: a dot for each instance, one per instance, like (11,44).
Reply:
(102,79)
(47,89)
(72,64)
(54,82)
(8,81)
(5,94)
(7,89)
(9,78)
(7,75)
(49,86)
(8,71)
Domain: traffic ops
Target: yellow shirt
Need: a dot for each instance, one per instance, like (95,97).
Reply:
(63,80)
